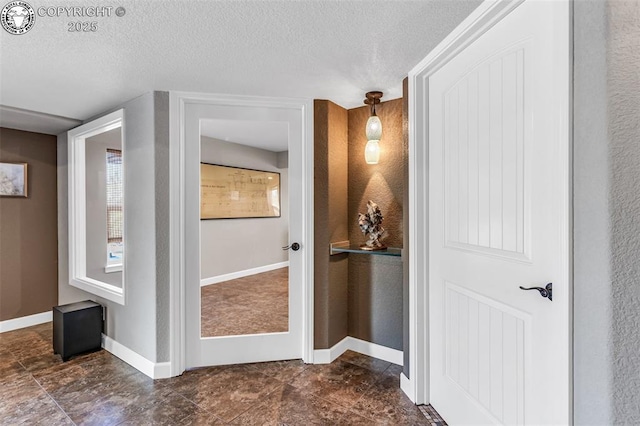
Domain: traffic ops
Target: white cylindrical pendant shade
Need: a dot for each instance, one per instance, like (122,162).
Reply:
(374,128)
(372,152)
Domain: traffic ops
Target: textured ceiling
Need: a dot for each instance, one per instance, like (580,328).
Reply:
(335,50)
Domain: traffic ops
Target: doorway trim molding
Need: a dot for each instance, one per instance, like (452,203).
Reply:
(489,13)
(177,102)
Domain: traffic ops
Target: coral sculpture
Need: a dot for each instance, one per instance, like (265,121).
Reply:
(371,225)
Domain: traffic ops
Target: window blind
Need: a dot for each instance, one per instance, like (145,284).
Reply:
(115,196)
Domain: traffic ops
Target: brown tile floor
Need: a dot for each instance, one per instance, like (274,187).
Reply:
(99,389)
(255,304)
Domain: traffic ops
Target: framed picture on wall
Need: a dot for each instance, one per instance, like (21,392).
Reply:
(233,192)
(13,179)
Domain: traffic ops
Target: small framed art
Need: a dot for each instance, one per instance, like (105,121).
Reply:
(13,179)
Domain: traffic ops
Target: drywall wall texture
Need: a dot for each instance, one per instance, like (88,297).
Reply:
(330,205)
(134,323)
(28,238)
(163,237)
(234,245)
(383,182)
(96,190)
(606,211)
(375,299)
(375,282)
(140,324)
(623,80)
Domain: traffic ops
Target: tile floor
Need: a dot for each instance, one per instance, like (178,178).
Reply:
(99,389)
(255,304)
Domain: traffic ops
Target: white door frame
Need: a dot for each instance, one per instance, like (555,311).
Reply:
(482,19)
(177,103)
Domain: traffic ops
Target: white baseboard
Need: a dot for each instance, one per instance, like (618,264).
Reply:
(28,321)
(376,351)
(155,370)
(407,387)
(240,274)
(327,356)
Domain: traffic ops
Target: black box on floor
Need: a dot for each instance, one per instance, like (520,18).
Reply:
(77,328)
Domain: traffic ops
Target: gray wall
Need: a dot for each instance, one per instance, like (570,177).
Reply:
(96,189)
(233,245)
(142,323)
(606,212)
(162,207)
(375,299)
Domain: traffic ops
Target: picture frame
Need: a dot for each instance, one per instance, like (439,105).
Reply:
(13,180)
(228,192)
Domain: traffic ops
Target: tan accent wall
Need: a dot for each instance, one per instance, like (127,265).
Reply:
(28,228)
(331,222)
(357,294)
(382,182)
(375,307)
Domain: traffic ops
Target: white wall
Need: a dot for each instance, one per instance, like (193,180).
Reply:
(142,323)
(233,245)
(606,212)
(96,188)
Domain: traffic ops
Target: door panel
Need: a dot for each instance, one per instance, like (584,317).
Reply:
(241,347)
(484,162)
(498,219)
(485,352)
(244,271)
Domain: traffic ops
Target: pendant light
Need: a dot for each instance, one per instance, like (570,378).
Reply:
(373,130)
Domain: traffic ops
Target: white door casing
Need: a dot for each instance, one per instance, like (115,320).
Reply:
(498,219)
(188,349)
(416,384)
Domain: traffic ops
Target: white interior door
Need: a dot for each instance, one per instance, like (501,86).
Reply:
(498,220)
(203,349)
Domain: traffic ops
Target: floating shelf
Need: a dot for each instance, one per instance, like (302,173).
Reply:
(345,247)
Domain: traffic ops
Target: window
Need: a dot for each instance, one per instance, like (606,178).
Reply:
(115,198)
(88,209)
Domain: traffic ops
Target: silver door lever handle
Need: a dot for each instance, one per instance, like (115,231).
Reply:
(544,292)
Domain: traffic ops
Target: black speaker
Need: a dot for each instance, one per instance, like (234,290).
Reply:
(77,328)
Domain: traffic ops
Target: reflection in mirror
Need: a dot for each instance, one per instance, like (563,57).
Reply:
(96,207)
(244,271)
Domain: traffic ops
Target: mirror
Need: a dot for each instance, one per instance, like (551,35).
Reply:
(244,225)
(96,207)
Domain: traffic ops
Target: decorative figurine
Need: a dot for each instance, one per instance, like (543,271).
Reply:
(371,224)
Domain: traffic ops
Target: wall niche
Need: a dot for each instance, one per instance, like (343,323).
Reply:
(358,295)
